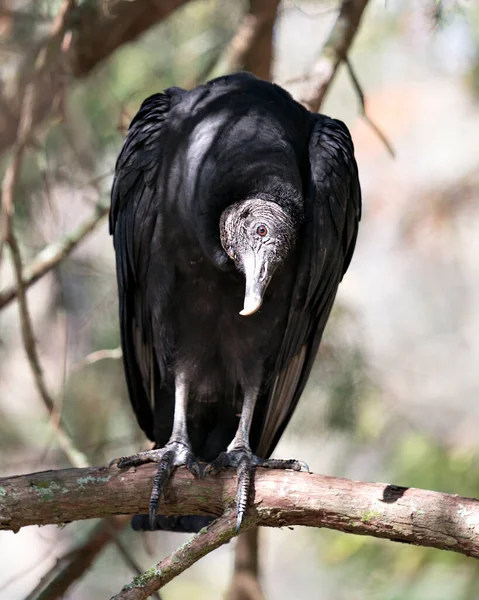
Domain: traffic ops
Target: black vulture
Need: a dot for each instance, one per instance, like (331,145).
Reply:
(234,213)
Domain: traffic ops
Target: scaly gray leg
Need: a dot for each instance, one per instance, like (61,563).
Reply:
(239,455)
(177,451)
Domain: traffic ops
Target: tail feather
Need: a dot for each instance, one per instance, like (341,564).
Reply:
(180,524)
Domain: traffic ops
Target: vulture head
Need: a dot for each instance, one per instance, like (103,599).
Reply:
(257,235)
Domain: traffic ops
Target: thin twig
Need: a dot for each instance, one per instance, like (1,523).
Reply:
(334,51)
(112,445)
(12,172)
(208,539)
(75,456)
(98,355)
(54,253)
(365,116)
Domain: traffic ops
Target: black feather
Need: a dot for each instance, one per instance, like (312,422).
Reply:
(187,157)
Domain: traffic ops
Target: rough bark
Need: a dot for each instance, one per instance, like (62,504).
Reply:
(279,499)
(209,538)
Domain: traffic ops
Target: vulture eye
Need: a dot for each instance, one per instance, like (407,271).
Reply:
(262,230)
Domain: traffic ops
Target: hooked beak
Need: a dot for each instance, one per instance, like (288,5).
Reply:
(258,276)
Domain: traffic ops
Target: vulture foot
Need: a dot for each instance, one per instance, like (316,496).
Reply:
(245,462)
(174,454)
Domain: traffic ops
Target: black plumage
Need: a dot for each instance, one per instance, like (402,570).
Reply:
(200,173)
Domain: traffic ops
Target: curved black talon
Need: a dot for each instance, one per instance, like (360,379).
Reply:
(245,462)
(283,463)
(174,454)
(245,472)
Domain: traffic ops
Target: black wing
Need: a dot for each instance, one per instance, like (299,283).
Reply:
(332,214)
(134,214)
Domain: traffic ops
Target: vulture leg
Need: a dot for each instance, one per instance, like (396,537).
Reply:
(240,456)
(176,453)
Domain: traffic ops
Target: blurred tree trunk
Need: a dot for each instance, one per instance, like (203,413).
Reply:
(251,48)
(245,581)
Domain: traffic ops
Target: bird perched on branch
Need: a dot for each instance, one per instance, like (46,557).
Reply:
(234,215)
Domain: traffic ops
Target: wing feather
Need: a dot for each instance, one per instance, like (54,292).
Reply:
(332,214)
(134,215)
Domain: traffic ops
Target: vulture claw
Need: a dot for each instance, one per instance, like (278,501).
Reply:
(282,463)
(245,462)
(174,454)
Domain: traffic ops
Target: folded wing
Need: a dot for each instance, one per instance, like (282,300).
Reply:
(332,214)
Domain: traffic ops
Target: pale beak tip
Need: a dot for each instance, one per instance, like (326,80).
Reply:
(251,306)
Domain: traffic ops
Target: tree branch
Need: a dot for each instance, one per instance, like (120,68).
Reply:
(364,114)
(279,499)
(75,456)
(53,254)
(208,539)
(96,29)
(315,85)
(101,28)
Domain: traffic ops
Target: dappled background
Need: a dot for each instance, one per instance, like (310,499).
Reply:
(394,394)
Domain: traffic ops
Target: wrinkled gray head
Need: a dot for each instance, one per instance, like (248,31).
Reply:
(258,235)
